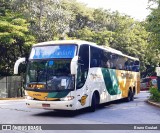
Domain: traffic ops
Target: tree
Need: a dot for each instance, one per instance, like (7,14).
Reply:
(152,25)
(81,16)
(15,39)
(53,19)
(47,18)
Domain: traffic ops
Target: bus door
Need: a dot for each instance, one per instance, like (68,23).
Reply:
(82,89)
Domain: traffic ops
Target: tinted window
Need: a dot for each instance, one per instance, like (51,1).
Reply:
(136,66)
(96,57)
(106,62)
(105,59)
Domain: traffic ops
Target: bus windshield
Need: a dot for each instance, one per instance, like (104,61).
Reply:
(49,74)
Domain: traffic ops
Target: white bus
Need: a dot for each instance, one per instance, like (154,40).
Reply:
(74,74)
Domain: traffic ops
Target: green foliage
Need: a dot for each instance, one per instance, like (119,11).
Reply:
(124,34)
(152,25)
(155,94)
(15,41)
(21,21)
(101,38)
(47,17)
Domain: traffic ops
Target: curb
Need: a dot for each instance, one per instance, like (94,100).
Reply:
(153,103)
(17,98)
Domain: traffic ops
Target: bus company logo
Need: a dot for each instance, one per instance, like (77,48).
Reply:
(37,95)
(138,76)
(127,75)
(96,76)
(83,100)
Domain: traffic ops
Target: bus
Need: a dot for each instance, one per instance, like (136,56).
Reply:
(75,74)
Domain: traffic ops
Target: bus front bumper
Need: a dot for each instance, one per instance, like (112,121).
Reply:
(51,105)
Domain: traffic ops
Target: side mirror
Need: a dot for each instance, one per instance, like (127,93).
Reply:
(74,65)
(16,65)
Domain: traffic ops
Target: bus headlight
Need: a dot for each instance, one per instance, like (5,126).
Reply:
(29,98)
(68,98)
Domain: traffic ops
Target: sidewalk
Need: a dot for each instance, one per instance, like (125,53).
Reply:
(157,104)
(16,98)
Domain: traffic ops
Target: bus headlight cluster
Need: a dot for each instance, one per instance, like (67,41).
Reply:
(68,98)
(29,98)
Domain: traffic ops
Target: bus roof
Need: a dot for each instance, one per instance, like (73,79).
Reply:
(80,42)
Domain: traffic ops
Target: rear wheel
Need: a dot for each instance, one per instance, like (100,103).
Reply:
(130,96)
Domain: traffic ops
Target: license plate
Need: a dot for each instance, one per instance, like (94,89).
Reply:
(45,105)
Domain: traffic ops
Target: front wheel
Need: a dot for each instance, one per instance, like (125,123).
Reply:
(94,103)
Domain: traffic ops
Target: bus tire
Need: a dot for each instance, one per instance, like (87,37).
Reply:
(130,96)
(93,103)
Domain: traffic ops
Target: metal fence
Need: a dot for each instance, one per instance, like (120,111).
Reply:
(11,86)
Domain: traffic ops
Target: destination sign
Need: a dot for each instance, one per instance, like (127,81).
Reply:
(57,51)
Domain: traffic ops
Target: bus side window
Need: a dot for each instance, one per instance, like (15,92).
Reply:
(131,65)
(107,64)
(94,62)
(136,66)
(113,61)
(126,65)
(96,55)
(120,66)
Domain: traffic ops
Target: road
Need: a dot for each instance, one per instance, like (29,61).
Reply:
(136,112)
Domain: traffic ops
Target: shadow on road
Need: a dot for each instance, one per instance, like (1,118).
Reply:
(66,113)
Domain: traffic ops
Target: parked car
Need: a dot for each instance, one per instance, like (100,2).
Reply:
(148,82)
